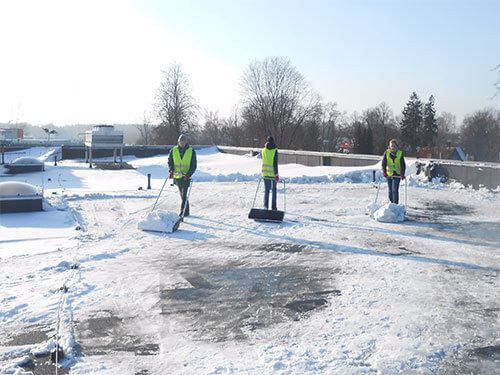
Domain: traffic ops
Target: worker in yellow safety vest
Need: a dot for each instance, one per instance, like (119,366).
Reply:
(270,171)
(393,168)
(182,164)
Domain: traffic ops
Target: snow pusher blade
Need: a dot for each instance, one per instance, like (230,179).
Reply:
(260,214)
(163,221)
(266,215)
(159,221)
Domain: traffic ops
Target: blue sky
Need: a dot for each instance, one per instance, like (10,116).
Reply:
(101,61)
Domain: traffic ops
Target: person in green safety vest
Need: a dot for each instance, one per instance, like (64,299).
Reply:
(270,171)
(393,168)
(182,165)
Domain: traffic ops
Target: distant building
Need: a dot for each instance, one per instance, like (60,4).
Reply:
(11,134)
(447,153)
(346,146)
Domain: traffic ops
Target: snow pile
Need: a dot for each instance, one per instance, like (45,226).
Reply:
(386,213)
(50,154)
(159,221)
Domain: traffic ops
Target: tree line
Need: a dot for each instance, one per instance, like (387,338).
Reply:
(277,100)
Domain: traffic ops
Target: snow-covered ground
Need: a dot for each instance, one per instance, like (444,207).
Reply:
(328,291)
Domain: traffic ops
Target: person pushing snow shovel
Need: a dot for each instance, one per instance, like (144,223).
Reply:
(182,165)
(393,168)
(270,171)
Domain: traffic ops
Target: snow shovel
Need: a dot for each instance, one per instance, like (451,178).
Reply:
(259,214)
(406,193)
(158,197)
(160,221)
(378,189)
(181,218)
(406,196)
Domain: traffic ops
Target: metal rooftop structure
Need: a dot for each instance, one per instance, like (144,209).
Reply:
(103,137)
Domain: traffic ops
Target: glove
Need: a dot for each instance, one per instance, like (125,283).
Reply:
(171,174)
(402,176)
(188,176)
(277,178)
(385,174)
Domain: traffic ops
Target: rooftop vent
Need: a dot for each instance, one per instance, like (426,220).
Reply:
(103,137)
(19,197)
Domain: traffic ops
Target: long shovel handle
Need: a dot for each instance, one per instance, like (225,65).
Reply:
(272,179)
(284,195)
(158,197)
(256,191)
(378,189)
(406,196)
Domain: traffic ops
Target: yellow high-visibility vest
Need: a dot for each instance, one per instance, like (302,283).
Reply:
(181,165)
(268,162)
(393,167)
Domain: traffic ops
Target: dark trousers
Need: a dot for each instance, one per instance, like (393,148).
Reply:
(269,184)
(393,183)
(183,190)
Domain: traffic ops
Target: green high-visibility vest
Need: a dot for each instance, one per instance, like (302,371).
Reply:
(393,167)
(181,165)
(268,162)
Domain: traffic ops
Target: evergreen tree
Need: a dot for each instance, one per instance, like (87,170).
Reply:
(363,137)
(430,128)
(411,122)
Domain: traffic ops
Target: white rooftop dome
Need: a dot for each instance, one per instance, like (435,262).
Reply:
(12,189)
(27,160)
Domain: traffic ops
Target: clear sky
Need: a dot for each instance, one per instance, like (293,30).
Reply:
(70,62)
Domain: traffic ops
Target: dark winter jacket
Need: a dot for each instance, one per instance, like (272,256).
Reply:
(393,157)
(271,146)
(192,167)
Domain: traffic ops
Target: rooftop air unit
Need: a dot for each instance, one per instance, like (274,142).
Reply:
(19,197)
(103,137)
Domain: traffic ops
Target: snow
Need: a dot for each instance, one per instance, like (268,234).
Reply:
(159,221)
(329,290)
(387,213)
(40,153)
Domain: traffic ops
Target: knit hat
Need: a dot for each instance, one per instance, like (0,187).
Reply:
(182,138)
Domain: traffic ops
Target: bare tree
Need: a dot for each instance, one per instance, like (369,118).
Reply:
(480,135)
(236,133)
(277,99)
(497,82)
(213,129)
(176,108)
(330,122)
(447,133)
(146,130)
(383,125)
